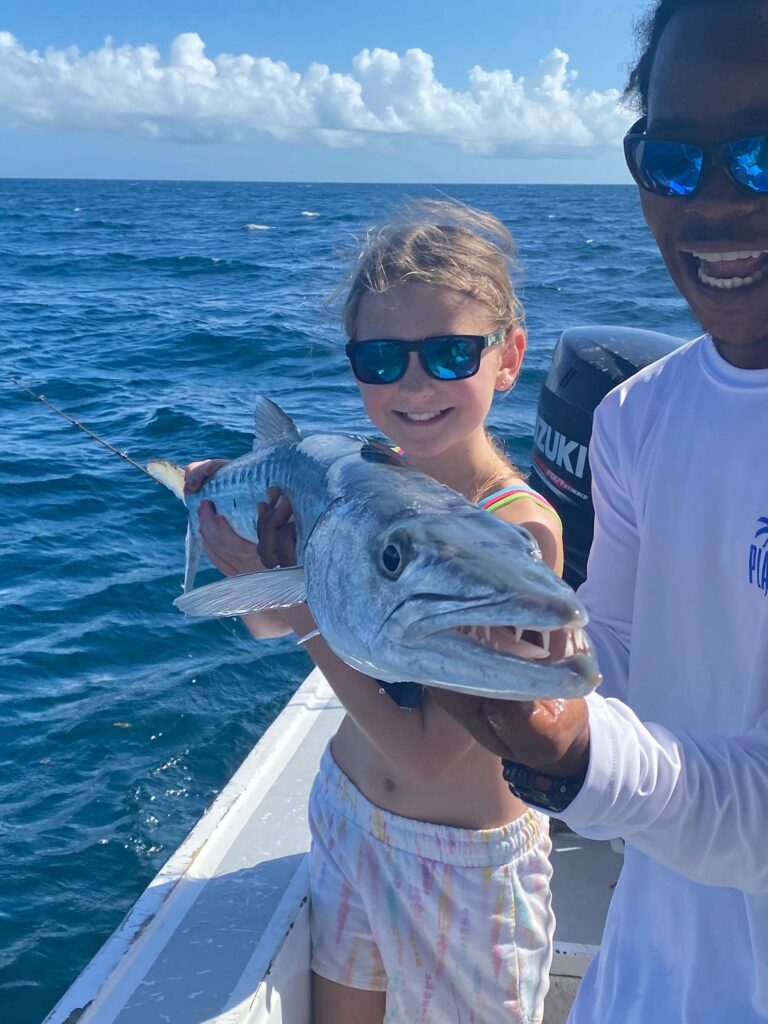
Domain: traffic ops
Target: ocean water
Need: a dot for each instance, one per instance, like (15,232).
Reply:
(153,312)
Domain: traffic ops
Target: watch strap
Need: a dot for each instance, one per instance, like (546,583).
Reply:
(550,792)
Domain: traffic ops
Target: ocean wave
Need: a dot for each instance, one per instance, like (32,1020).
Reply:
(109,264)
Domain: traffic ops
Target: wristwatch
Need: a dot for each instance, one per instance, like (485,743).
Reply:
(550,792)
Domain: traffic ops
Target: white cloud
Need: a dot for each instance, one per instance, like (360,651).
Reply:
(133,90)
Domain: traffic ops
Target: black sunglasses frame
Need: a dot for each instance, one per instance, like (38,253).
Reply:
(711,153)
(480,342)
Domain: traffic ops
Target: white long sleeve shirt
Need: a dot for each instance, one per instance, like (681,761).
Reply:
(677,592)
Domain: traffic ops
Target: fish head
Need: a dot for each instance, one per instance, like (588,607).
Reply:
(460,600)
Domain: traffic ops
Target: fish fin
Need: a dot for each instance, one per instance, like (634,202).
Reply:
(168,473)
(193,547)
(377,451)
(250,592)
(271,424)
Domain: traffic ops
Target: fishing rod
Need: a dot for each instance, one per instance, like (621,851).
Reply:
(80,426)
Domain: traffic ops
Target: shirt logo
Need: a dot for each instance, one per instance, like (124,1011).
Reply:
(758,557)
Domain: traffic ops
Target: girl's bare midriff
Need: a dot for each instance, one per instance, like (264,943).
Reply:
(471,794)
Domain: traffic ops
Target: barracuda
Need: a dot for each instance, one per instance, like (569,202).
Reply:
(404,577)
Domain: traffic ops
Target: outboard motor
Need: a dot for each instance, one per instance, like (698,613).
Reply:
(588,362)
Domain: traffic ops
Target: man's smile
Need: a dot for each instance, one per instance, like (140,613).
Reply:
(726,269)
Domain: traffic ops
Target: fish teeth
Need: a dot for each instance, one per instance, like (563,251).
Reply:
(575,640)
(580,639)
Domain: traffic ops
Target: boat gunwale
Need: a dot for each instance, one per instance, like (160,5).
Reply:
(113,974)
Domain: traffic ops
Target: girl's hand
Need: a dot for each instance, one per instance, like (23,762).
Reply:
(277,531)
(198,473)
(549,735)
(226,549)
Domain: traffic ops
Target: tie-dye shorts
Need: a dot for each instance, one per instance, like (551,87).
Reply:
(454,924)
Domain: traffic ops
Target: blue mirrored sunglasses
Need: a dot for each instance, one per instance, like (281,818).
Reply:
(446,357)
(673,167)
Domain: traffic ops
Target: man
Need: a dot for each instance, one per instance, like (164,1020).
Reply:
(672,752)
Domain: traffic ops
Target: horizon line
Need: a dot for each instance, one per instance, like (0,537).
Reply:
(304,181)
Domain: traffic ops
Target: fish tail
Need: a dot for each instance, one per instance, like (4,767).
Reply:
(169,474)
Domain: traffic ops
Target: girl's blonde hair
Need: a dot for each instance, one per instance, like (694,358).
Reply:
(441,243)
(449,245)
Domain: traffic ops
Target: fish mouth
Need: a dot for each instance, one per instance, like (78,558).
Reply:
(535,660)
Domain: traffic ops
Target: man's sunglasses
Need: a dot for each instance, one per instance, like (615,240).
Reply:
(447,357)
(672,167)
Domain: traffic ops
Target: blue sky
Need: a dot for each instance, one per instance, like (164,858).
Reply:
(520,91)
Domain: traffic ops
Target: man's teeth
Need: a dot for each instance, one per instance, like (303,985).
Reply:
(729,257)
(731,282)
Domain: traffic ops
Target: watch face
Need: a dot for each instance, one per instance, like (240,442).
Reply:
(548,792)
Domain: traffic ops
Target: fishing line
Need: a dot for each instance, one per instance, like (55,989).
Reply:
(81,426)
(123,455)
(90,433)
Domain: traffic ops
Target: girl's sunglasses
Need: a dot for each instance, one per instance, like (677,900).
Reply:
(447,357)
(671,167)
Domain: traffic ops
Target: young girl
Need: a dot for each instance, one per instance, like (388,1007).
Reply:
(429,880)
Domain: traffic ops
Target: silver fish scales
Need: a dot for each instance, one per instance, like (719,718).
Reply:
(404,577)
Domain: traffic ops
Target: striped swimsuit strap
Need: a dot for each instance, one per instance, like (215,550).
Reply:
(504,497)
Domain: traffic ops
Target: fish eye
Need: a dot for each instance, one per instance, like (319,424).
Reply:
(395,553)
(392,560)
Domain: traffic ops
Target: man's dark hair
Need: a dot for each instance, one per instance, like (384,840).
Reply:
(648,32)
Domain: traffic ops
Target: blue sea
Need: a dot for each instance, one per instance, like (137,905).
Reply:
(153,312)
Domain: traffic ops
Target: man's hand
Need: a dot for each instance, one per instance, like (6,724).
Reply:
(549,735)
(276,531)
